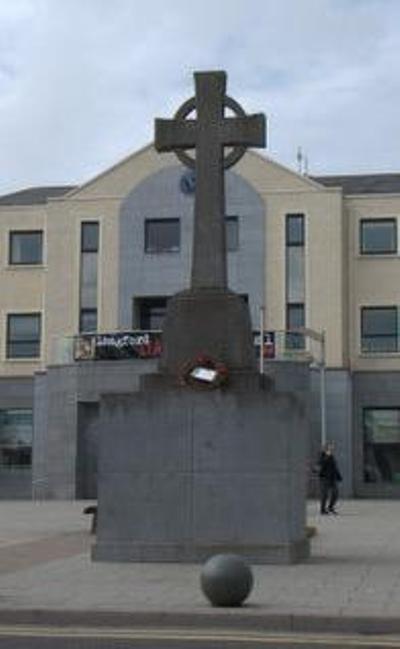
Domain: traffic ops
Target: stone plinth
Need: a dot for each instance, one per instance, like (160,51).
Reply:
(185,474)
(213,322)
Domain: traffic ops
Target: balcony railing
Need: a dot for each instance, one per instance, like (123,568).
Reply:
(278,345)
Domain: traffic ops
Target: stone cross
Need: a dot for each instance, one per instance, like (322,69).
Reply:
(209,134)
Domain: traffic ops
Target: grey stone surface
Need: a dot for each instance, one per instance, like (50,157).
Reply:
(226,580)
(213,323)
(187,473)
(64,432)
(87,447)
(16,392)
(350,584)
(92,379)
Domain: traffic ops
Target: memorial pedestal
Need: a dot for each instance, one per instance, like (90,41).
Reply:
(187,473)
(205,321)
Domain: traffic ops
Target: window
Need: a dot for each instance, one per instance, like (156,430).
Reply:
(26,247)
(379,329)
(16,437)
(162,235)
(23,335)
(381,428)
(295,280)
(88,320)
(378,236)
(151,312)
(88,279)
(295,229)
(90,236)
(295,320)
(232,233)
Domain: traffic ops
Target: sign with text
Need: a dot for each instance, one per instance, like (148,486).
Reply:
(268,343)
(119,345)
(140,344)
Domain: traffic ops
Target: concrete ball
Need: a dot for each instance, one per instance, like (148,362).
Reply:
(226,580)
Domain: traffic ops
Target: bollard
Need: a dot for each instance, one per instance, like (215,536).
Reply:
(226,580)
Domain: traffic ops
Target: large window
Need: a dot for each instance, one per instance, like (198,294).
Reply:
(295,279)
(23,335)
(381,444)
(162,235)
(16,437)
(88,281)
(379,331)
(26,247)
(378,236)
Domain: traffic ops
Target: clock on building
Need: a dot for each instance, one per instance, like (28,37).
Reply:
(187,182)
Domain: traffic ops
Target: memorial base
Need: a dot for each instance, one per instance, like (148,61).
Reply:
(204,321)
(294,552)
(185,473)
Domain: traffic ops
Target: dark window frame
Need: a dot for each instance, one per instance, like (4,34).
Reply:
(288,238)
(16,454)
(145,308)
(294,339)
(12,343)
(84,246)
(84,311)
(379,470)
(391,336)
(363,250)
(150,250)
(14,233)
(89,249)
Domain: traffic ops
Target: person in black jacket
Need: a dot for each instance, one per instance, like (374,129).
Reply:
(329,476)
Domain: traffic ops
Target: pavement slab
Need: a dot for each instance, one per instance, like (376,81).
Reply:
(351,582)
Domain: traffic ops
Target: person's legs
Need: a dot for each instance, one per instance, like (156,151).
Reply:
(333,498)
(324,493)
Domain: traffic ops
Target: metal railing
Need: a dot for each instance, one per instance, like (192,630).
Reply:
(278,345)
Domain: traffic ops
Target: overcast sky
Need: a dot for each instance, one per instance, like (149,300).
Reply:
(81,81)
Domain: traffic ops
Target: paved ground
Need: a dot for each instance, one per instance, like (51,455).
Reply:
(351,582)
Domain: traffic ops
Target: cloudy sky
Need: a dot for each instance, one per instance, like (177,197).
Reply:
(82,80)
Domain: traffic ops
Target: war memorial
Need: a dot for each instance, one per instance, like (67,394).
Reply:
(208,456)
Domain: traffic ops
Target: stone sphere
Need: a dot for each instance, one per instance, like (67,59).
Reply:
(226,580)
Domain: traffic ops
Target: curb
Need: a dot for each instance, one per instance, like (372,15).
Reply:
(231,619)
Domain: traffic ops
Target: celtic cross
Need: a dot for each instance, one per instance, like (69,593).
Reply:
(209,134)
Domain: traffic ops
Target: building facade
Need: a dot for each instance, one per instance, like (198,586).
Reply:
(81,265)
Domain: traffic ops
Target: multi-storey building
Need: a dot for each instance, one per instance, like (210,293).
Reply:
(321,255)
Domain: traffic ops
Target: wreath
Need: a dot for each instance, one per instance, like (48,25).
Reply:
(204,372)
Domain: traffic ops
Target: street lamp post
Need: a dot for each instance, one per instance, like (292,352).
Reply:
(323,389)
